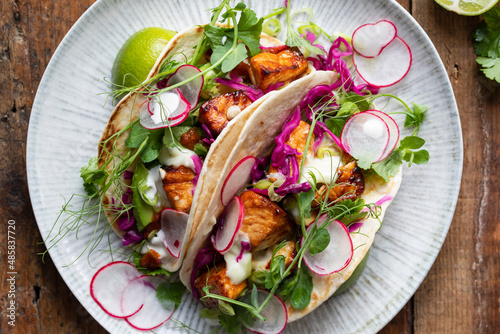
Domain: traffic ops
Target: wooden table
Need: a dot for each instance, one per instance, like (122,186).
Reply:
(461,294)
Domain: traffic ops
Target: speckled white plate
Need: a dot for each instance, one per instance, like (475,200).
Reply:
(70,113)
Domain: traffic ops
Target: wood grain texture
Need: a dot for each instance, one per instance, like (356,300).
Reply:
(461,294)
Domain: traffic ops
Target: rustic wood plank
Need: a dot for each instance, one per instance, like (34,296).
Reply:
(30,33)
(460,294)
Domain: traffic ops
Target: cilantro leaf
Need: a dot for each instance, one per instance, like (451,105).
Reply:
(200,150)
(215,35)
(361,102)
(491,67)
(170,294)
(249,30)
(389,167)
(348,211)
(235,57)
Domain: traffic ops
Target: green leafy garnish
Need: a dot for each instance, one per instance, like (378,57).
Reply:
(301,293)
(487,45)
(320,241)
(170,294)
(153,145)
(294,39)
(93,176)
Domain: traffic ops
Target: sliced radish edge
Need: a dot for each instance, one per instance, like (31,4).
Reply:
(393,132)
(152,314)
(369,40)
(173,226)
(151,121)
(192,89)
(275,313)
(337,255)
(238,177)
(113,277)
(229,225)
(366,136)
(388,68)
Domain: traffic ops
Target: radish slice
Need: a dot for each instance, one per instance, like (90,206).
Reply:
(388,68)
(154,313)
(370,39)
(337,255)
(108,284)
(365,136)
(274,312)
(238,177)
(229,226)
(163,110)
(192,89)
(173,225)
(393,132)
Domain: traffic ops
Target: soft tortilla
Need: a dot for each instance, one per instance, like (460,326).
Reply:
(179,48)
(257,140)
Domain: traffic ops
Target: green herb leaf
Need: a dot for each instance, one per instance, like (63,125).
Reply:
(305,200)
(255,297)
(417,116)
(226,308)
(287,286)
(137,135)
(348,211)
(320,241)
(153,146)
(361,102)
(420,157)
(412,142)
(301,294)
(389,167)
(215,35)
(249,30)
(93,176)
(258,277)
(170,294)
(237,56)
(276,270)
(200,150)
(491,67)
(231,324)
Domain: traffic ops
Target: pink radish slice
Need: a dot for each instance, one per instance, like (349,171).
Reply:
(192,89)
(393,132)
(336,255)
(230,225)
(164,110)
(153,313)
(238,177)
(108,284)
(370,39)
(365,136)
(173,225)
(388,68)
(274,312)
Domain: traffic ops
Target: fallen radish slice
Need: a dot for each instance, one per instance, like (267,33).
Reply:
(370,39)
(108,284)
(337,255)
(229,226)
(192,89)
(274,312)
(173,226)
(386,69)
(365,136)
(238,177)
(393,132)
(165,109)
(153,313)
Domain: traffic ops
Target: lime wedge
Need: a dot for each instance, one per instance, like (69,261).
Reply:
(468,7)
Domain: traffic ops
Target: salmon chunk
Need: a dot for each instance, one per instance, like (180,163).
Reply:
(213,113)
(270,68)
(265,223)
(349,185)
(218,283)
(178,185)
(191,137)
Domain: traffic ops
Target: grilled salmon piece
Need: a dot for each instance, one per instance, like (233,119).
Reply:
(150,260)
(349,185)
(270,68)
(288,251)
(218,283)
(178,185)
(191,137)
(213,113)
(265,223)
(298,141)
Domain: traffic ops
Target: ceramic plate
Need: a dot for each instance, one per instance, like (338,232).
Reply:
(70,113)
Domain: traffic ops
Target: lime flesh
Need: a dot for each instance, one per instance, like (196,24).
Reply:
(468,7)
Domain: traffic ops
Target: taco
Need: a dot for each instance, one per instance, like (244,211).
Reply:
(256,239)
(162,147)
